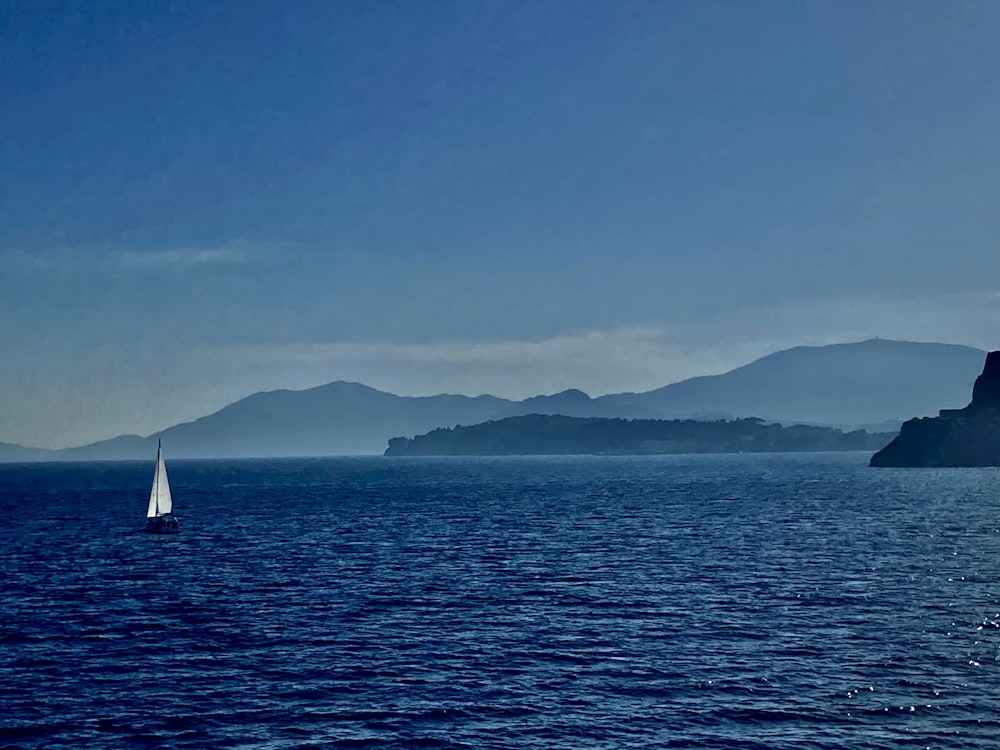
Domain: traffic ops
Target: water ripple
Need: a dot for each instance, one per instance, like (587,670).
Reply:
(752,602)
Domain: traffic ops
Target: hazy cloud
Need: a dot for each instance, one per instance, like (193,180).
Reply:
(184,256)
(70,259)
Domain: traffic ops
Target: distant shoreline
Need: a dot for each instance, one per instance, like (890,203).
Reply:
(538,434)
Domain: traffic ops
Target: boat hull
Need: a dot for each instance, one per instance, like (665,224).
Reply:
(162,525)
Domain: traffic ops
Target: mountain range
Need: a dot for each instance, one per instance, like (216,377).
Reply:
(875,384)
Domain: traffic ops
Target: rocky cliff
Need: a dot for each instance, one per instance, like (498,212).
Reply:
(956,437)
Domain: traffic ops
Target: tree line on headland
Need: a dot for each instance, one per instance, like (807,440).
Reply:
(539,434)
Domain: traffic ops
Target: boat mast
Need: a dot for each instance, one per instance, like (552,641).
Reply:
(159,443)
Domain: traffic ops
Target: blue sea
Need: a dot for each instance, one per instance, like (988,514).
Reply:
(758,601)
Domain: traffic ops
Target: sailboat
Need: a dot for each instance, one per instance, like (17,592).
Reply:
(159,518)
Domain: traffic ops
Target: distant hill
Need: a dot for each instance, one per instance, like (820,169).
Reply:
(574,403)
(538,434)
(870,383)
(875,381)
(334,419)
(13,453)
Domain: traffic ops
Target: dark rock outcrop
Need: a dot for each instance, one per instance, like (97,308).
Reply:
(956,437)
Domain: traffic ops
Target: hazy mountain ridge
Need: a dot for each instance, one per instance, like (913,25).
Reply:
(11,452)
(864,383)
(842,385)
(296,423)
(574,403)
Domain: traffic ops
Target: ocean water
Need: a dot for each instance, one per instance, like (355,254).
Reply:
(765,601)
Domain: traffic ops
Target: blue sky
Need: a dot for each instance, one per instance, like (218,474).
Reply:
(201,200)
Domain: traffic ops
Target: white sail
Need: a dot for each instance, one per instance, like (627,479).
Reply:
(160,503)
